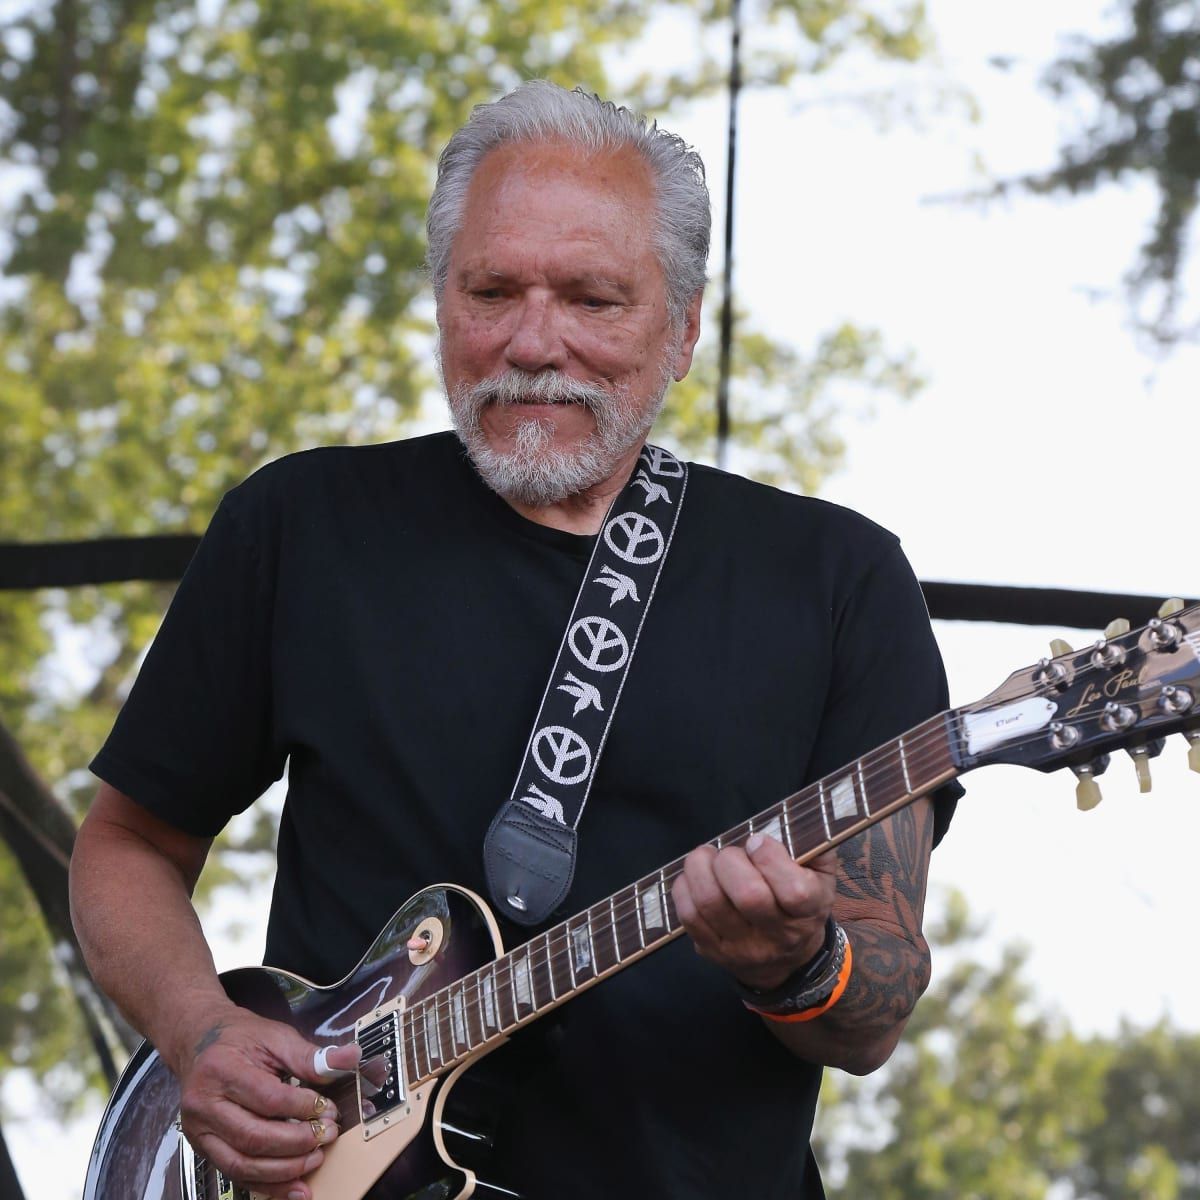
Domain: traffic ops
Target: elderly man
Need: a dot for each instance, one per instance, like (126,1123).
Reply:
(383,618)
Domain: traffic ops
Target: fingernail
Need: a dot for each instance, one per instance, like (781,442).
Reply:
(297,1194)
(753,842)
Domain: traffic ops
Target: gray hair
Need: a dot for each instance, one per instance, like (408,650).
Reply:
(540,111)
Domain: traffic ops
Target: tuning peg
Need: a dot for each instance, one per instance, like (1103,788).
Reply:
(1058,647)
(1193,737)
(1116,628)
(1087,790)
(1169,608)
(1141,764)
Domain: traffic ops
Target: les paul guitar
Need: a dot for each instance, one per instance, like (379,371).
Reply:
(424,1016)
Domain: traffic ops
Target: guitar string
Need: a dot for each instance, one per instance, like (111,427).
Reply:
(623,916)
(620,916)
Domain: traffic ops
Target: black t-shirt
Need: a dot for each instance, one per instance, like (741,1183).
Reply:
(382,621)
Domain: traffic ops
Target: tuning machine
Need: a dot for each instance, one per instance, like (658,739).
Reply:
(1141,755)
(1193,737)
(1107,653)
(1164,633)
(1087,790)
(1050,672)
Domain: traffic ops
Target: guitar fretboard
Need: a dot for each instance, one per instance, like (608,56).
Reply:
(450,1025)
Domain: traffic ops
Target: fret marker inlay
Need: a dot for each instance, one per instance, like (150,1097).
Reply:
(842,795)
(652,914)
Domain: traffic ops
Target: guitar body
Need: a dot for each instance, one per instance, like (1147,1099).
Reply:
(139,1153)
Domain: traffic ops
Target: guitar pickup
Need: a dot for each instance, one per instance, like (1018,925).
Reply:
(382,1088)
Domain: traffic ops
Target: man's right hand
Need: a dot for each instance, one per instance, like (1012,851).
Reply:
(239,1110)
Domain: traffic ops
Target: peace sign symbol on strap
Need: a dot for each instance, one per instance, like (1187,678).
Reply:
(635,538)
(598,644)
(662,462)
(561,754)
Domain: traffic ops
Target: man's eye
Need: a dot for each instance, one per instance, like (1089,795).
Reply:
(493,293)
(596,303)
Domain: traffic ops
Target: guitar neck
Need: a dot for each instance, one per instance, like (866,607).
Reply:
(520,986)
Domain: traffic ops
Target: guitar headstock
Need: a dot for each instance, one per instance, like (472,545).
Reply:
(1128,691)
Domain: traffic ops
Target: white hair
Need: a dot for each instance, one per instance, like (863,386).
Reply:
(539,111)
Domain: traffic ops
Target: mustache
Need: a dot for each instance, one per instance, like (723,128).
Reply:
(541,387)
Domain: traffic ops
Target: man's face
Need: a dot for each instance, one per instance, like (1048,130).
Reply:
(556,345)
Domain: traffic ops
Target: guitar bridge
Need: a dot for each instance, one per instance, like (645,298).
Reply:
(382,1088)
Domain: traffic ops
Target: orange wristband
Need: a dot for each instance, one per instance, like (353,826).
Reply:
(810,1014)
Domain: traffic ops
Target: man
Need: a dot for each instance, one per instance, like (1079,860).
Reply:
(384,618)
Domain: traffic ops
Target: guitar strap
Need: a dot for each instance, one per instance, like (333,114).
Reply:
(530,849)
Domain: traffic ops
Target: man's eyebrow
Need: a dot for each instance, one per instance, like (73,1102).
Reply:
(583,280)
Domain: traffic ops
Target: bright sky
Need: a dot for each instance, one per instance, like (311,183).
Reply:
(1046,451)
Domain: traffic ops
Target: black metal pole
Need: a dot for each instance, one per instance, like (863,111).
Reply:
(735,87)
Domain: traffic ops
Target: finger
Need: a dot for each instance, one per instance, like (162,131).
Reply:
(708,895)
(257,1137)
(331,1063)
(797,891)
(696,927)
(265,1175)
(747,890)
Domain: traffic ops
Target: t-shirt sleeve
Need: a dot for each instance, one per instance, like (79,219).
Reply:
(193,742)
(887,673)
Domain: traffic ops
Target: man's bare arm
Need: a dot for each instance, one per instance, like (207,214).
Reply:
(132,878)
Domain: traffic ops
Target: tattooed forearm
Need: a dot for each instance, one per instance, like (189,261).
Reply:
(880,902)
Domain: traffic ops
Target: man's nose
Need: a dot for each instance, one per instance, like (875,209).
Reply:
(535,341)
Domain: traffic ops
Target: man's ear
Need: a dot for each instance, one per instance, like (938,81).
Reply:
(689,337)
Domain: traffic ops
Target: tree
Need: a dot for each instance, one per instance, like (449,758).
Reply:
(989,1095)
(1141,90)
(215,258)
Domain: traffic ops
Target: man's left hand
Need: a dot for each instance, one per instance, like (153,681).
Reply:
(754,911)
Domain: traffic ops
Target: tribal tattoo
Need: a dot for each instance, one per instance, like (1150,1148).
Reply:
(881,896)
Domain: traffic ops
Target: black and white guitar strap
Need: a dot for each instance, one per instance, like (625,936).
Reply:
(530,849)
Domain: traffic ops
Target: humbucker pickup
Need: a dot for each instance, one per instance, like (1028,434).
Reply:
(381,1082)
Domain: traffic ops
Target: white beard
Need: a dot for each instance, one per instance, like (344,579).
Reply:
(533,471)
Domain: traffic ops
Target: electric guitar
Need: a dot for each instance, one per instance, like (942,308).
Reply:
(436,991)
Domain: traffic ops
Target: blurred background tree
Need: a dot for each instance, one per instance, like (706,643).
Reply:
(1135,104)
(212,251)
(991,1094)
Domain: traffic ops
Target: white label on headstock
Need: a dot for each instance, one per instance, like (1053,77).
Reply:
(995,726)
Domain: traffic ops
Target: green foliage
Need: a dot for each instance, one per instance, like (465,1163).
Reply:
(1141,90)
(989,1096)
(787,407)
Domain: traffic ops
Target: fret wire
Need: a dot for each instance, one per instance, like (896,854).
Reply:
(549,968)
(571,959)
(823,801)
(662,896)
(637,913)
(904,766)
(428,1059)
(612,920)
(592,942)
(862,787)
(512,987)
(450,1029)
